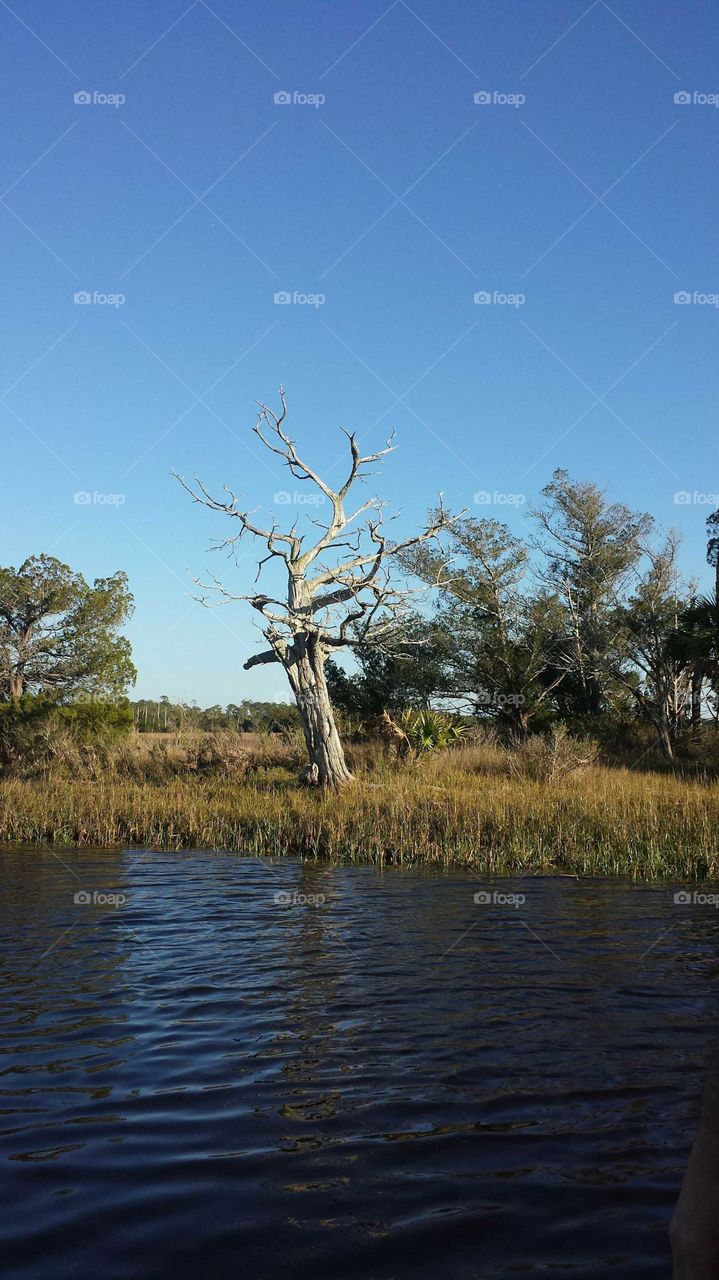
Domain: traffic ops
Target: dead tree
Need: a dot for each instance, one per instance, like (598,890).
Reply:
(339,593)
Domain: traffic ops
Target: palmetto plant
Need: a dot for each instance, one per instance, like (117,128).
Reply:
(697,636)
(430,730)
(695,643)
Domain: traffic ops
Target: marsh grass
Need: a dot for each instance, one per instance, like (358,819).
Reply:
(463,808)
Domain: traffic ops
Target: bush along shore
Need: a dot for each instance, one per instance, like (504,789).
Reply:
(538,810)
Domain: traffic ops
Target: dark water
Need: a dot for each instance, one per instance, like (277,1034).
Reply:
(395,1081)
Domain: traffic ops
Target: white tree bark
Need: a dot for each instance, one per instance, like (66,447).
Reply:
(333,600)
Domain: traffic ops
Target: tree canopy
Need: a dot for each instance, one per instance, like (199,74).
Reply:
(59,634)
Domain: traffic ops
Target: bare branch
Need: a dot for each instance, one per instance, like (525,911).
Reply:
(260,659)
(346,603)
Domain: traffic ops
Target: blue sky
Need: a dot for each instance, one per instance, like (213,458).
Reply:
(396,199)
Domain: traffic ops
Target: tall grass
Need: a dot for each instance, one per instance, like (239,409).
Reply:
(464,808)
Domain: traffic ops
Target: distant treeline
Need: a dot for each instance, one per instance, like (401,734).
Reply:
(582,618)
(164,716)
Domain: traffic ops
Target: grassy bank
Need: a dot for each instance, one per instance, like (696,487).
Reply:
(465,808)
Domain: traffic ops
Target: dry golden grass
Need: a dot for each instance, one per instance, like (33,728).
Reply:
(462,808)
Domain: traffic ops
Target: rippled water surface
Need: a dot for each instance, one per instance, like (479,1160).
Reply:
(382,1078)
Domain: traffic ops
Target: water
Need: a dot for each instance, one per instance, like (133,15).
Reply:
(393,1081)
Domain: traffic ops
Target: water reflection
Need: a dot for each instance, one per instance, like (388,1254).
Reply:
(368,1072)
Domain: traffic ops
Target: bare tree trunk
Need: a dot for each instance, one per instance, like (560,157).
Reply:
(516,721)
(696,687)
(328,766)
(328,605)
(521,724)
(665,740)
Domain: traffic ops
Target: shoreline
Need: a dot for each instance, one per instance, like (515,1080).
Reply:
(604,822)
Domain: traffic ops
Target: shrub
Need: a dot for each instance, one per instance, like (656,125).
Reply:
(551,757)
(36,732)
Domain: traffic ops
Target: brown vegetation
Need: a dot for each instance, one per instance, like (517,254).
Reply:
(462,807)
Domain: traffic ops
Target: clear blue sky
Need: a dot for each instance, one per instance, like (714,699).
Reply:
(398,199)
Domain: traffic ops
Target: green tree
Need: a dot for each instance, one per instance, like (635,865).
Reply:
(648,664)
(589,547)
(408,674)
(58,634)
(713,548)
(696,642)
(500,633)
